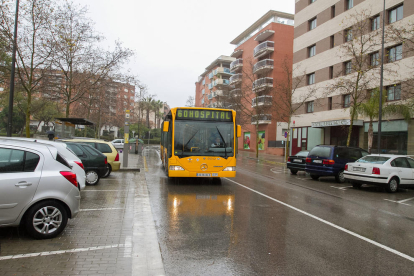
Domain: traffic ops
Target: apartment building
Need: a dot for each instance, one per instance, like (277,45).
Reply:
(213,83)
(323,29)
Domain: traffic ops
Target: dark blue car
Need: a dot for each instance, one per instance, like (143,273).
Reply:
(326,160)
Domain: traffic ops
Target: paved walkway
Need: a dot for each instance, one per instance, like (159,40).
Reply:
(268,158)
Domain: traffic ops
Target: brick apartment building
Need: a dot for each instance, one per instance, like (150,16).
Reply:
(321,30)
(250,74)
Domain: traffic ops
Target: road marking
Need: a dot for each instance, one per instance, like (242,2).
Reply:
(275,171)
(145,164)
(404,200)
(342,188)
(128,247)
(405,256)
(100,209)
(102,190)
(399,202)
(47,253)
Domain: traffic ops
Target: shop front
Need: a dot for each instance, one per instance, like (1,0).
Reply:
(394,137)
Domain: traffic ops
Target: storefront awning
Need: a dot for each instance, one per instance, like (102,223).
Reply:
(337,123)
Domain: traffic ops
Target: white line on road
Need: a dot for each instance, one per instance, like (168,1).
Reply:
(100,209)
(46,253)
(404,200)
(128,247)
(405,256)
(102,190)
(399,202)
(342,188)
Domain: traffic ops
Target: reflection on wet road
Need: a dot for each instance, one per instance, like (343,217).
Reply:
(268,222)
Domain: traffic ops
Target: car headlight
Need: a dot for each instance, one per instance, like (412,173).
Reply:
(230,169)
(176,168)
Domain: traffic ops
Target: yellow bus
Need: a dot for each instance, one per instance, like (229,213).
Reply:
(199,142)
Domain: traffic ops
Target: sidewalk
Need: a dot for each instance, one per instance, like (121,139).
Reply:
(135,162)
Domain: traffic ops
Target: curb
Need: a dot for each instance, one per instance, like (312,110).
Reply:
(130,170)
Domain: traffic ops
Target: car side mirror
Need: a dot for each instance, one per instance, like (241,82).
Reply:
(166,126)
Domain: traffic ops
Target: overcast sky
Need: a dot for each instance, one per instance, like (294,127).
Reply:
(175,40)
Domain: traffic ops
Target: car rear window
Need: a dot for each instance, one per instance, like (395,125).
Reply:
(104,148)
(31,162)
(76,149)
(90,150)
(62,160)
(373,159)
(302,153)
(321,152)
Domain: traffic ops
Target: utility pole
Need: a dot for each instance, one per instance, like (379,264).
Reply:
(381,82)
(10,118)
(126,139)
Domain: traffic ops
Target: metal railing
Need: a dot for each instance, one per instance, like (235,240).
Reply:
(236,63)
(262,82)
(261,117)
(262,100)
(236,78)
(262,46)
(263,63)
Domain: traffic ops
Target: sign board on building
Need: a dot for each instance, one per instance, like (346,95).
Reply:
(337,123)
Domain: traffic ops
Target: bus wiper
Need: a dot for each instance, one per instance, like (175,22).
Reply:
(188,142)
(225,146)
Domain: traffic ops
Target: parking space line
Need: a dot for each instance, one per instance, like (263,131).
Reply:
(389,249)
(47,253)
(399,202)
(341,188)
(102,190)
(404,200)
(100,209)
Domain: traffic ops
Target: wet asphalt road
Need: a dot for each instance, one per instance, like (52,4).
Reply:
(268,222)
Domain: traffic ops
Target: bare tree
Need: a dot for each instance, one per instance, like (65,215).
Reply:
(190,101)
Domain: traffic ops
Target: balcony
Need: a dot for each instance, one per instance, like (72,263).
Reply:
(262,101)
(218,93)
(210,96)
(264,48)
(264,35)
(210,85)
(237,53)
(219,83)
(235,92)
(236,65)
(263,66)
(236,79)
(262,84)
(261,119)
(222,71)
(210,76)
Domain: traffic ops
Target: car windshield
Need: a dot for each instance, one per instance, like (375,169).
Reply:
(200,138)
(373,159)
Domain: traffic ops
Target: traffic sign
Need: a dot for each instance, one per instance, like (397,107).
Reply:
(285,134)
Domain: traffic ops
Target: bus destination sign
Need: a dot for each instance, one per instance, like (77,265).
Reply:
(204,115)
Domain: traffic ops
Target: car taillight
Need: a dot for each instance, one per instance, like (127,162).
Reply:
(346,167)
(117,157)
(80,164)
(376,170)
(328,162)
(71,177)
(289,159)
(106,160)
(308,160)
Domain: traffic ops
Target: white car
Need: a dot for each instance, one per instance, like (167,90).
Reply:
(73,160)
(37,188)
(118,143)
(390,171)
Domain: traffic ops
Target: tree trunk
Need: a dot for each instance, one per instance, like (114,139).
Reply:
(370,135)
(287,141)
(350,127)
(29,104)
(257,138)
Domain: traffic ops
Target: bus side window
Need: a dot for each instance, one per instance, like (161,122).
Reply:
(169,140)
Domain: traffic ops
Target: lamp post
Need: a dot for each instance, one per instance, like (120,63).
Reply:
(381,82)
(10,118)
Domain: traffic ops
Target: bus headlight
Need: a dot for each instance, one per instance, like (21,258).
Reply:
(176,168)
(230,169)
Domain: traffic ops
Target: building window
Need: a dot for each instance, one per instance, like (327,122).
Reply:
(311,51)
(333,11)
(374,59)
(395,14)
(394,92)
(312,1)
(204,81)
(375,23)
(348,35)
(330,72)
(395,53)
(349,4)
(348,67)
(330,103)
(311,78)
(312,24)
(309,107)
(203,91)
(347,100)
(332,41)
(202,101)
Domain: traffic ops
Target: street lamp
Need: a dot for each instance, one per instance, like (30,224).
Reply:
(10,118)
(381,82)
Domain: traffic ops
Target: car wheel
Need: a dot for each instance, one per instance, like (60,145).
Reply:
(46,219)
(314,176)
(92,177)
(293,171)
(340,177)
(356,185)
(108,171)
(392,186)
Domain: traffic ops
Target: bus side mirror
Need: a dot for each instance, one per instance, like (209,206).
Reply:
(238,131)
(166,126)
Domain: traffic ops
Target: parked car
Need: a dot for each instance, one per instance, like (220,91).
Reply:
(95,162)
(389,171)
(38,188)
(326,160)
(107,148)
(74,162)
(297,162)
(118,143)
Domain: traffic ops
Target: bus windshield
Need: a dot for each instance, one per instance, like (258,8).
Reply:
(203,138)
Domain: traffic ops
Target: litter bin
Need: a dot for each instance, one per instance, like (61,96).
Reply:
(132,148)
(140,147)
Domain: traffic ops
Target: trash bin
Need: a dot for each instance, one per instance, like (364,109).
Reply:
(132,148)
(140,147)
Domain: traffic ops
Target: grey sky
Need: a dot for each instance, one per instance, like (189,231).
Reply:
(175,40)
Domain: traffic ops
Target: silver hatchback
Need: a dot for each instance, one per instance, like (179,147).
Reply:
(37,188)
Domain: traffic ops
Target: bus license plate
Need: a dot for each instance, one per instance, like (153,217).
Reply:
(204,174)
